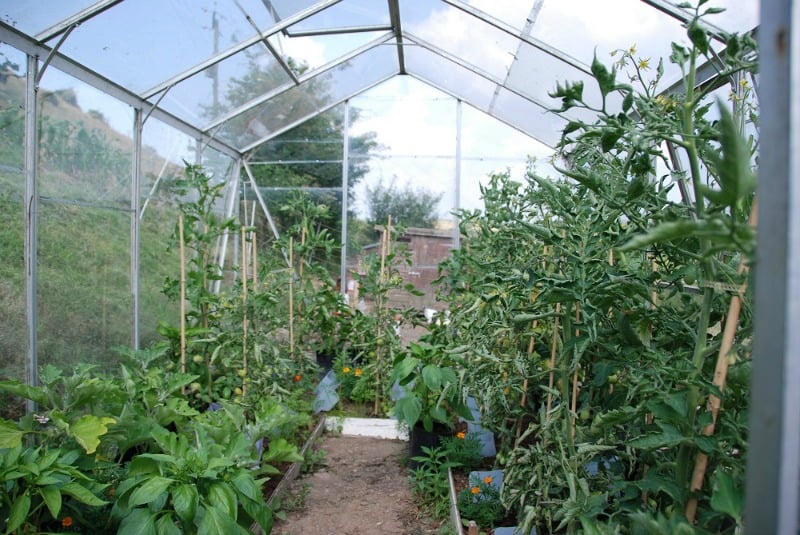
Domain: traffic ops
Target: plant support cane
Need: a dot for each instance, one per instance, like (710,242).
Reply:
(720,376)
(183,297)
(244,311)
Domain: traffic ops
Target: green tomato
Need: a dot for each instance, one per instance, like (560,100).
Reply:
(613,378)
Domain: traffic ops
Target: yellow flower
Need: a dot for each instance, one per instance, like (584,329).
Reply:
(487,479)
(644,64)
(346,370)
(461,435)
(632,50)
(475,490)
(358,372)
(743,83)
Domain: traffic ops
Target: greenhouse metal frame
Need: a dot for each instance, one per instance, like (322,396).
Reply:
(394,43)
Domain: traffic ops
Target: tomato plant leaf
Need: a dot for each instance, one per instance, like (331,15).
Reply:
(727,496)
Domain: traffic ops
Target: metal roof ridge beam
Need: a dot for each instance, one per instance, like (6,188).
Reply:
(536,43)
(339,30)
(77,18)
(323,109)
(397,25)
(285,23)
(25,43)
(307,76)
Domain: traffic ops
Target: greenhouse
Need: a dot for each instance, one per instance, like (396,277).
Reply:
(552,238)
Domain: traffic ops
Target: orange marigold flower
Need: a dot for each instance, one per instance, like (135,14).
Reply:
(475,490)
(358,372)
(487,479)
(297,378)
(461,435)
(67,522)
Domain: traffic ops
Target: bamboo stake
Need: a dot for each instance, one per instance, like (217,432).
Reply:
(255,260)
(291,296)
(385,239)
(720,376)
(182,248)
(244,311)
(575,389)
(553,352)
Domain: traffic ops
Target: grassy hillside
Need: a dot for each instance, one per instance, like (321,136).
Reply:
(84,292)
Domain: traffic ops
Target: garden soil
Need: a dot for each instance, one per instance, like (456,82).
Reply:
(361,488)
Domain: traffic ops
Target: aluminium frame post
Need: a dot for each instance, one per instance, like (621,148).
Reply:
(31,219)
(773,467)
(457,200)
(345,190)
(136,181)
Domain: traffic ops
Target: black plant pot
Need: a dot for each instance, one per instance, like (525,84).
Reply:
(419,438)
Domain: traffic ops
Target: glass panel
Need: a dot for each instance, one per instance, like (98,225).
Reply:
(84,284)
(739,15)
(582,28)
(85,143)
(298,103)
(416,136)
(310,53)
(282,9)
(206,96)
(122,42)
(13,325)
(347,13)
(513,13)
(489,146)
(449,76)
(535,73)
(457,33)
(158,251)
(540,124)
(35,17)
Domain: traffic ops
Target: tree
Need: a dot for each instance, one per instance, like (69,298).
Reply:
(408,206)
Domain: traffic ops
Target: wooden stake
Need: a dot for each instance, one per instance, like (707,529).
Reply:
(255,260)
(244,310)
(720,376)
(182,249)
(385,239)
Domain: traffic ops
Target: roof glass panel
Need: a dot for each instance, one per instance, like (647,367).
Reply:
(123,43)
(582,28)
(739,15)
(456,32)
(281,9)
(512,13)
(206,96)
(347,13)
(35,17)
(449,76)
(312,52)
(528,117)
(312,96)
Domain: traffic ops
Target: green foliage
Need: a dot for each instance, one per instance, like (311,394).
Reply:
(429,481)
(408,207)
(480,501)
(430,384)
(41,487)
(463,450)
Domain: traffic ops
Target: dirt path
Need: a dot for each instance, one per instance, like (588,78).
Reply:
(362,490)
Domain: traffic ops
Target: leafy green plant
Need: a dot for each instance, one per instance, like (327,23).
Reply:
(429,481)
(463,450)
(192,486)
(431,393)
(480,501)
(44,489)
